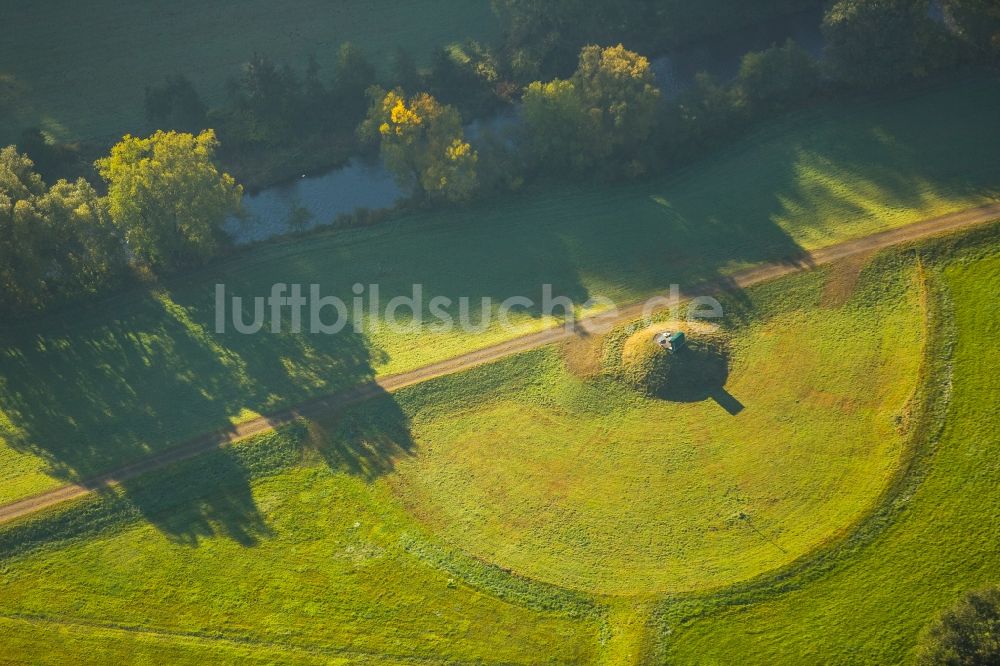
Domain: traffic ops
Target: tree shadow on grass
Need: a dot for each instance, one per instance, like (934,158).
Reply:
(89,403)
(202,499)
(364,440)
(211,496)
(89,393)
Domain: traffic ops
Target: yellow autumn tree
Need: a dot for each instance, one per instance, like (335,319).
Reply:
(422,143)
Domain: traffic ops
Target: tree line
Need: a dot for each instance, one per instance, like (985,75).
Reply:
(607,119)
(165,205)
(279,122)
(167,197)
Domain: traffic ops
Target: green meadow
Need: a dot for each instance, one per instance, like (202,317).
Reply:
(806,474)
(88,81)
(269,551)
(538,510)
(583,483)
(89,389)
(868,603)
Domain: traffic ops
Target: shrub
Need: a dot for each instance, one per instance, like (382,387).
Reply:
(966,635)
(774,79)
(877,42)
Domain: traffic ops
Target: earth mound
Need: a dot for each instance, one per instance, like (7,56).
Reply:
(689,374)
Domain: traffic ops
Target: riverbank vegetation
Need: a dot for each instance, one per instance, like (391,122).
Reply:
(607,121)
(165,205)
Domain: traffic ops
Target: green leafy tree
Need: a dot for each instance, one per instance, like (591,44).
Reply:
(316,101)
(542,36)
(776,78)
(167,196)
(353,74)
(55,243)
(23,261)
(966,635)
(602,114)
(175,104)
(90,253)
(558,125)
(53,159)
(422,142)
(18,180)
(467,76)
(705,113)
(618,88)
(269,91)
(877,42)
(978,22)
(266,106)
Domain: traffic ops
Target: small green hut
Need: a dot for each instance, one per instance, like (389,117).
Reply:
(673,342)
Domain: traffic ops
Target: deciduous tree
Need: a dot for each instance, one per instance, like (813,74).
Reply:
(600,115)
(619,89)
(168,197)
(55,243)
(422,143)
(353,75)
(877,42)
(773,79)
(558,125)
(966,635)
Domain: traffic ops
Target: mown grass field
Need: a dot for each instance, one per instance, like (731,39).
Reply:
(320,542)
(88,390)
(869,604)
(584,483)
(275,552)
(88,82)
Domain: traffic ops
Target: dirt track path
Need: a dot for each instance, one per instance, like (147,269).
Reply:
(389,383)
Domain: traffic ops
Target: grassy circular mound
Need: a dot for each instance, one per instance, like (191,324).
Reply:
(573,481)
(645,366)
(691,374)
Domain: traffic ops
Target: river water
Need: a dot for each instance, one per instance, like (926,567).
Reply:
(312,201)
